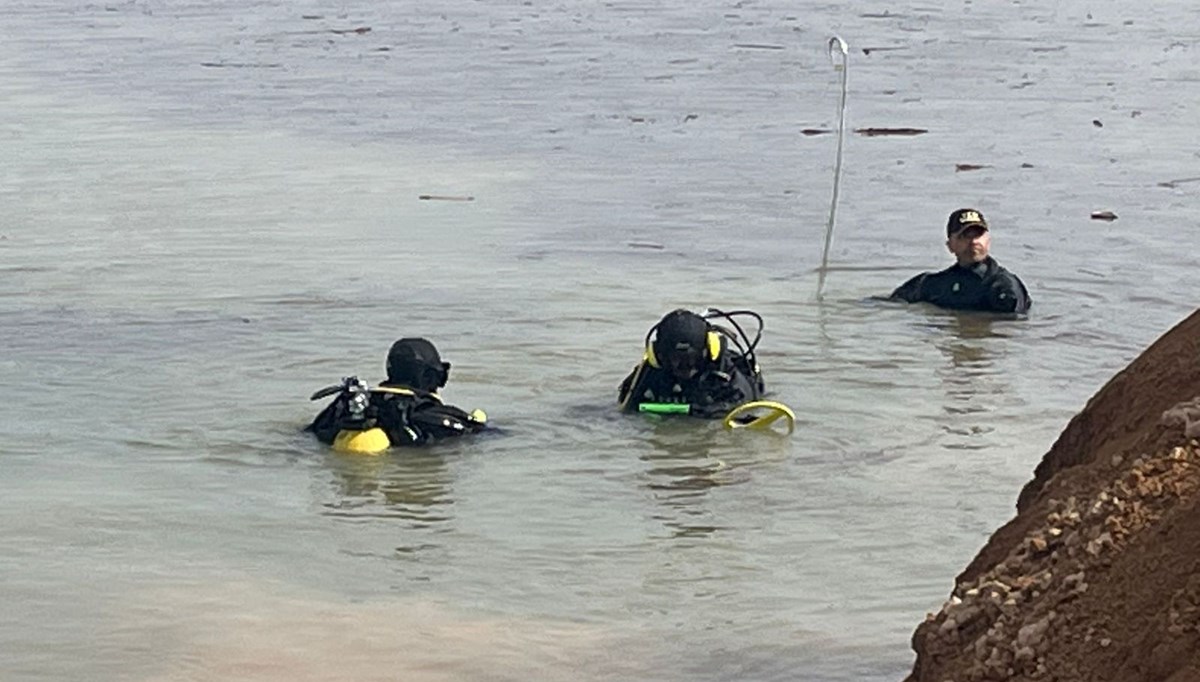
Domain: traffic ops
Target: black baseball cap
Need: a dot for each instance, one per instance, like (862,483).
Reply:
(964,218)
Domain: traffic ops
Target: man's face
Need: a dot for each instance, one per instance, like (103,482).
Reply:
(970,245)
(682,363)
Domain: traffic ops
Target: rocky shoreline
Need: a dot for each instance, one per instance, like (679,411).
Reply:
(1098,575)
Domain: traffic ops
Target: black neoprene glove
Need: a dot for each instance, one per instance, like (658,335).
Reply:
(1002,297)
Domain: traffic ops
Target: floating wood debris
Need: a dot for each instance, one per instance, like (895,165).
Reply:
(346,31)
(1175,183)
(880,132)
(961,167)
(444,197)
(1107,216)
(238,65)
(815,131)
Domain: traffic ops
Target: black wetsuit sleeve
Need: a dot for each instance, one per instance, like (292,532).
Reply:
(433,421)
(719,392)
(1006,293)
(421,419)
(328,423)
(912,290)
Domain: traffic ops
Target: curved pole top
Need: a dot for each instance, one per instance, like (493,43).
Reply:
(837,45)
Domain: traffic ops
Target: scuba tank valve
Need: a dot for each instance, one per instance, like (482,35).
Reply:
(358,398)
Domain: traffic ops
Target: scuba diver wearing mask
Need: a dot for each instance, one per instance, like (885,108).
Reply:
(694,367)
(403,410)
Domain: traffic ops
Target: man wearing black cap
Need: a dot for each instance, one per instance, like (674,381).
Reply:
(976,281)
(406,406)
(690,363)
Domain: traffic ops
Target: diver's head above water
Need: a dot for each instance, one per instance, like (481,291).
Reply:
(414,362)
(968,237)
(680,345)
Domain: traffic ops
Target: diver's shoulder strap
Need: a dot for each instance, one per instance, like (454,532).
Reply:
(631,386)
(396,390)
(411,393)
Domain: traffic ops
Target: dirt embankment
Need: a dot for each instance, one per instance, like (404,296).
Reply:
(1098,575)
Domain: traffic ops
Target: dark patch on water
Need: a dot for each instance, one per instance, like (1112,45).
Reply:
(645,245)
(752,46)
(883,132)
(445,197)
(239,65)
(1172,184)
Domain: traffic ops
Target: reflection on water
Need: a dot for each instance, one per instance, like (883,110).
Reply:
(688,459)
(974,387)
(682,454)
(681,468)
(411,484)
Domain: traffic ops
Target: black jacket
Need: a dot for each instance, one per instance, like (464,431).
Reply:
(407,416)
(720,386)
(983,286)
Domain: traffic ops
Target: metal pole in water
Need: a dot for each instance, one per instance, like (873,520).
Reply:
(836,46)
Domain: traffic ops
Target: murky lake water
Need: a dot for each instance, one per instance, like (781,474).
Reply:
(211,209)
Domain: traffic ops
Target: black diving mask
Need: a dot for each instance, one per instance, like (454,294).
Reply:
(683,362)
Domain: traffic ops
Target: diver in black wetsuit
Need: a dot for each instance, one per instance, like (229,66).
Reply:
(406,406)
(976,281)
(693,362)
